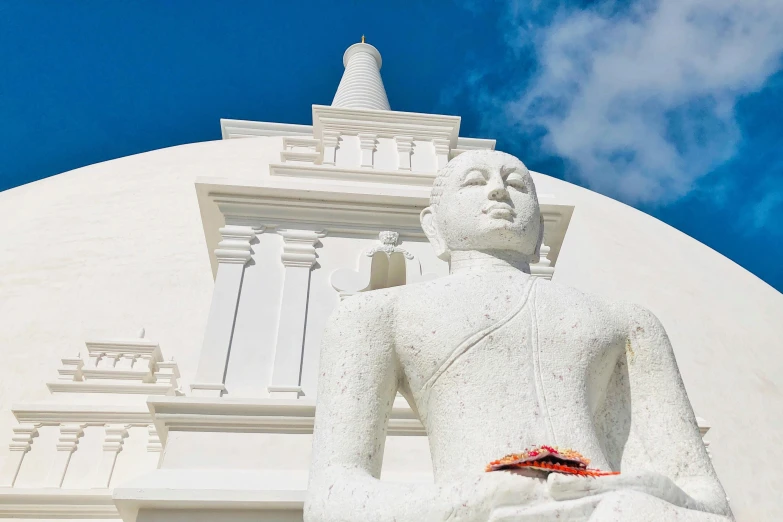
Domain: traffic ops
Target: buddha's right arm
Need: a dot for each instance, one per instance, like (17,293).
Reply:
(357,384)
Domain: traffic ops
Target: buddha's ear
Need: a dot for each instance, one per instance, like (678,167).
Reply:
(537,252)
(430,228)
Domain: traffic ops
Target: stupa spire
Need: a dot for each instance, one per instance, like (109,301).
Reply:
(361,86)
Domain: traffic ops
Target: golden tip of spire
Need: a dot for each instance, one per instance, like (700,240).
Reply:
(362,38)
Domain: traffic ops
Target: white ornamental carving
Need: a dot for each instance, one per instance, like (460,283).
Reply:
(388,245)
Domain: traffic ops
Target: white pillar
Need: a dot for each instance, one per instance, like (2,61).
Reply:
(331,140)
(441,152)
(367,143)
(298,258)
(66,445)
(21,442)
(233,253)
(404,148)
(112,445)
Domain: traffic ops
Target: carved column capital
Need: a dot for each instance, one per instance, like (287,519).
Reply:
(21,442)
(22,439)
(299,247)
(404,149)
(115,437)
(330,137)
(330,141)
(442,148)
(69,437)
(234,248)
(367,144)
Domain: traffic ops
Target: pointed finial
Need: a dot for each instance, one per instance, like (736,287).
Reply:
(362,38)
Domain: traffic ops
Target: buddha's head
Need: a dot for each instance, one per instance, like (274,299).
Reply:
(484,201)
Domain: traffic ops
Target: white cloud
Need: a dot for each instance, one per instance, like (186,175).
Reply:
(642,102)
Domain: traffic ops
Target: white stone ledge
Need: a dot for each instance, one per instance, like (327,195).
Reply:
(403,177)
(103,387)
(251,129)
(56,503)
(293,416)
(86,414)
(189,489)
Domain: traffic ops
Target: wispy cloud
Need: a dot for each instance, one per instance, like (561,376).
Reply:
(640,100)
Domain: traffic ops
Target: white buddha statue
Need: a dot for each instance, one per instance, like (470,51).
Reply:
(495,361)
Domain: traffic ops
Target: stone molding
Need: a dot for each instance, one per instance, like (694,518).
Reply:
(256,415)
(48,503)
(231,129)
(385,124)
(118,366)
(299,247)
(235,244)
(301,149)
(367,144)
(404,150)
(442,149)
(330,142)
(362,175)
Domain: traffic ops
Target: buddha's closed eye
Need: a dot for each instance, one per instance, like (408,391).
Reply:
(474,177)
(516,181)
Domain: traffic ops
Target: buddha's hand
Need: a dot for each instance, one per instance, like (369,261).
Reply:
(498,489)
(570,487)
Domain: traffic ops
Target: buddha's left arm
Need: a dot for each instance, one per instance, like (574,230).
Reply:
(664,435)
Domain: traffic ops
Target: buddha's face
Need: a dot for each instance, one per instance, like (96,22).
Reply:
(488,203)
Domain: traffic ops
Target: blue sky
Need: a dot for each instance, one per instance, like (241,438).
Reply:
(672,106)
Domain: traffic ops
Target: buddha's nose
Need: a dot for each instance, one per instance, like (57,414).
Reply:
(497,191)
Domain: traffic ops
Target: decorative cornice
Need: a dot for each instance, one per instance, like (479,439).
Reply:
(55,414)
(258,416)
(299,247)
(251,129)
(109,387)
(385,124)
(234,248)
(300,155)
(400,177)
(119,347)
(48,503)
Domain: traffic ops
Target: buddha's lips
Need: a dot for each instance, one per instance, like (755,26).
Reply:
(549,459)
(505,207)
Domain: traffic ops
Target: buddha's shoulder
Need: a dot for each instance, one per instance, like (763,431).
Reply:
(623,314)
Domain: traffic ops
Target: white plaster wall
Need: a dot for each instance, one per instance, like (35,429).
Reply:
(724,323)
(100,252)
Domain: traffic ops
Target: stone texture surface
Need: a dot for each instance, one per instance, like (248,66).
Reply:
(495,361)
